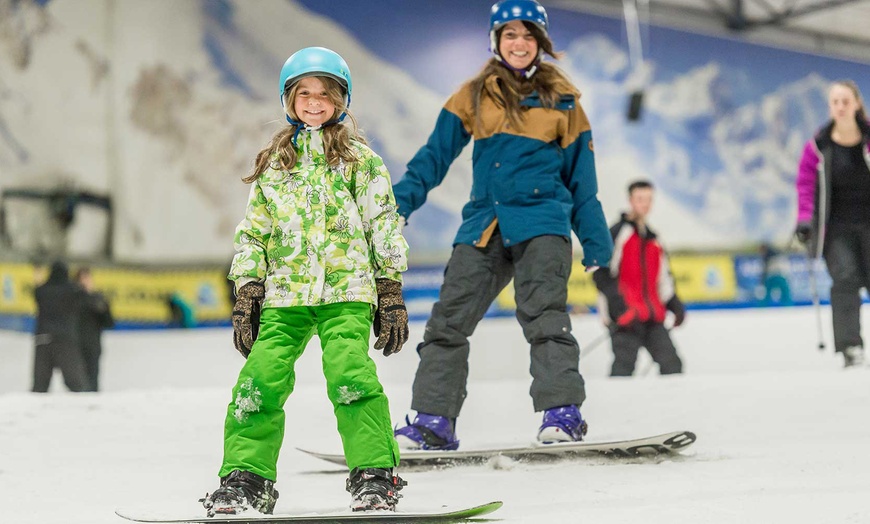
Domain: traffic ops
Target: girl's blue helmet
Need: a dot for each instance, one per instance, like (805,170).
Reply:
(315,61)
(509,10)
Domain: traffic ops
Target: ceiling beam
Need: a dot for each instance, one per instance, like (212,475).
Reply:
(740,22)
(709,21)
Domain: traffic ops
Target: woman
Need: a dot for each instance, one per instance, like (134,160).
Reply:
(534,181)
(833,188)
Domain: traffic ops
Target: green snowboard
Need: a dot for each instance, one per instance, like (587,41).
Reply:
(339,518)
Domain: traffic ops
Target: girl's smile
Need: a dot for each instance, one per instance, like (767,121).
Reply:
(312,104)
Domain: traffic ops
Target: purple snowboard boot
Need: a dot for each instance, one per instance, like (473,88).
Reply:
(562,424)
(430,432)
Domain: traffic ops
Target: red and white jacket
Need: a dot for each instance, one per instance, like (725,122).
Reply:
(642,271)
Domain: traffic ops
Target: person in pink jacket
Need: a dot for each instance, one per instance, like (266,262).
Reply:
(833,187)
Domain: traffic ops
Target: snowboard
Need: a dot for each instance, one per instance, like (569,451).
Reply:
(457,515)
(667,443)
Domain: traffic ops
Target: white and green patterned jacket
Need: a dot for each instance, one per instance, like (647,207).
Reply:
(319,235)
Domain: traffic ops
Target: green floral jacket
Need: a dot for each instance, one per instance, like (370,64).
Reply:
(319,235)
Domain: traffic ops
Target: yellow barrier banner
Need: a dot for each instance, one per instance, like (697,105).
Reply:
(18,282)
(134,295)
(142,296)
(705,278)
(698,278)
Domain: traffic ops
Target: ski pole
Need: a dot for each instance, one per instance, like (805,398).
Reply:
(820,249)
(649,365)
(595,343)
(814,289)
(646,369)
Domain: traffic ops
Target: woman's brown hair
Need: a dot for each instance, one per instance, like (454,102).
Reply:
(336,137)
(861,114)
(549,81)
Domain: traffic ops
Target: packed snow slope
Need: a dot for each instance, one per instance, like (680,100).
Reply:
(782,430)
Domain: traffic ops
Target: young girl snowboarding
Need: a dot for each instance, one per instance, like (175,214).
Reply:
(318,251)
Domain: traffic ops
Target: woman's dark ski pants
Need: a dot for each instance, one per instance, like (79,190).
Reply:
(847,255)
(474,277)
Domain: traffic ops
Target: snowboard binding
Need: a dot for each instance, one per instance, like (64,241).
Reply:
(374,489)
(239,491)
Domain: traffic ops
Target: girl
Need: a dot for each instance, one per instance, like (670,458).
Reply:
(833,187)
(534,182)
(319,247)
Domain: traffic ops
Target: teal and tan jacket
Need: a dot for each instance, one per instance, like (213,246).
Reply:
(320,235)
(538,180)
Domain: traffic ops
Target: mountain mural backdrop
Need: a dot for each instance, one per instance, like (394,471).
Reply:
(163,104)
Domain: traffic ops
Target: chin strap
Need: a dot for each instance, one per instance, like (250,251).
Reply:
(302,125)
(527,73)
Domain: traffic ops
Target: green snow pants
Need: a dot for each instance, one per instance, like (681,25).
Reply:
(254,427)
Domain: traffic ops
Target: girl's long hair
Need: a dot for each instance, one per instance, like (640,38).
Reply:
(549,81)
(861,114)
(336,137)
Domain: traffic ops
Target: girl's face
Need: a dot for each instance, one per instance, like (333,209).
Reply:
(842,103)
(517,46)
(312,104)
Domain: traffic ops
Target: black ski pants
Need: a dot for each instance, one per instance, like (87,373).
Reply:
(91,358)
(473,279)
(655,338)
(847,255)
(63,355)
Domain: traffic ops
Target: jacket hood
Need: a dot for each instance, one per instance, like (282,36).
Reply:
(59,273)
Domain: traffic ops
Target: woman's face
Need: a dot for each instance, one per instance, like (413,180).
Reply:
(517,46)
(312,104)
(842,103)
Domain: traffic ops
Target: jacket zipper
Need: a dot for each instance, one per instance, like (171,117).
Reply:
(644,276)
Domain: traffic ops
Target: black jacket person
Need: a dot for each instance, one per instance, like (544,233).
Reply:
(96,316)
(59,304)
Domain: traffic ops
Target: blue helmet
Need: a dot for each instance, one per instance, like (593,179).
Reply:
(315,61)
(508,10)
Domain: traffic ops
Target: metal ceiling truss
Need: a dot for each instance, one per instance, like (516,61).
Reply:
(734,14)
(769,21)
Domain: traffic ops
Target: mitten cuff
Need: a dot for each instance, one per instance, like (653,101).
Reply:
(252,289)
(386,286)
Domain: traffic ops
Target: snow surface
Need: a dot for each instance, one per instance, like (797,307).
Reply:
(782,430)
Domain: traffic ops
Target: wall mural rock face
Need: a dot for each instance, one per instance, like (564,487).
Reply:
(164,105)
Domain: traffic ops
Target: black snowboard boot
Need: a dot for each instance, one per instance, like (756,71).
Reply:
(239,491)
(374,488)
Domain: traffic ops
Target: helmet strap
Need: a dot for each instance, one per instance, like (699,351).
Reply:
(302,125)
(527,73)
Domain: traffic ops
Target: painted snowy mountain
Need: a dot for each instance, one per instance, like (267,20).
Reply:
(724,158)
(165,104)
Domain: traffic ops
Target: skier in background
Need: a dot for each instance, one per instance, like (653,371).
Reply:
(319,250)
(833,212)
(59,306)
(774,288)
(96,317)
(181,314)
(639,290)
(534,182)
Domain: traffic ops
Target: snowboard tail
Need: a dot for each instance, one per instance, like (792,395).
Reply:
(666,443)
(458,515)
